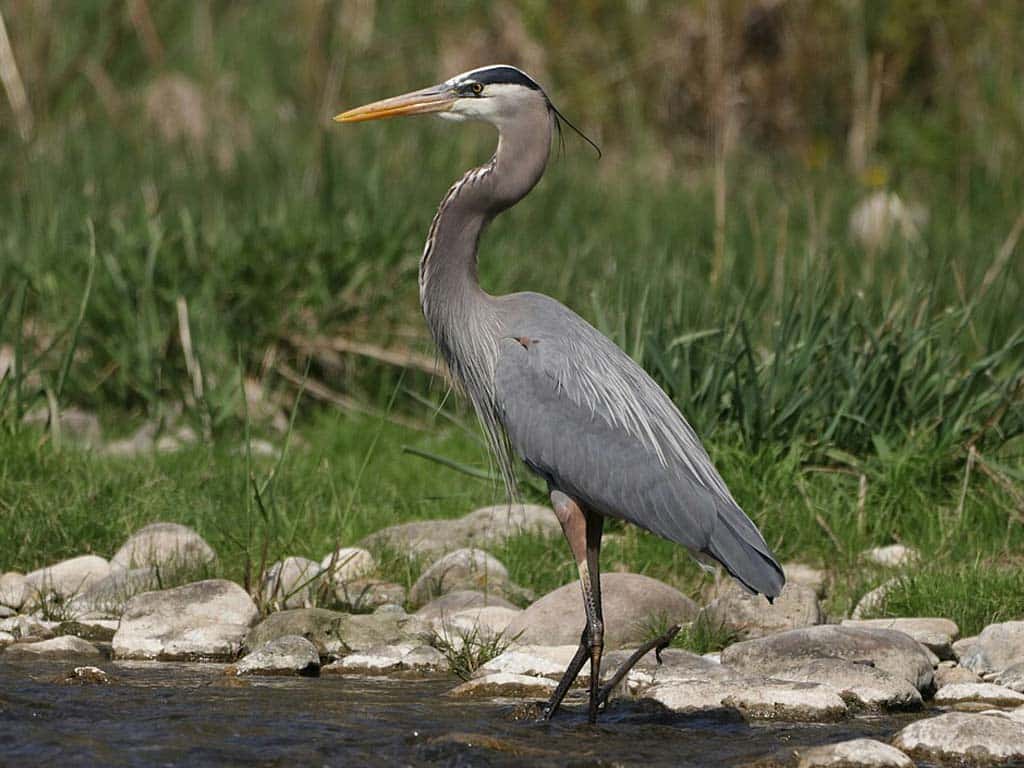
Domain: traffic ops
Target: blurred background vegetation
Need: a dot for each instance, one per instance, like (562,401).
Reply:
(806,223)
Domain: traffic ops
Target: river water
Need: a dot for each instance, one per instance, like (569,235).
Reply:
(191,714)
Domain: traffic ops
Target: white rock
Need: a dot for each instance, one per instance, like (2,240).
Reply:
(982,693)
(65,646)
(998,647)
(391,658)
(856,753)
(959,737)
(6,638)
(532,661)
(869,686)
(892,556)
(936,634)
(504,685)
(12,589)
(167,546)
(65,579)
(755,698)
(461,569)
(287,655)
(110,595)
(203,620)
(348,564)
(366,593)
(290,583)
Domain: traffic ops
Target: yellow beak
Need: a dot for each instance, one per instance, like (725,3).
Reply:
(433,99)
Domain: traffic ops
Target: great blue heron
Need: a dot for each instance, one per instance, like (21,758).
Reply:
(546,384)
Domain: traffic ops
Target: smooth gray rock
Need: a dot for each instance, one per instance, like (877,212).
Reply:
(747,615)
(462,569)
(481,528)
(978,693)
(339,634)
(110,595)
(954,674)
(754,698)
(998,647)
(167,546)
(633,604)
(1012,678)
(892,652)
(532,661)
(964,647)
(866,685)
(963,739)
(676,665)
(364,594)
(460,600)
(286,655)
(404,657)
(935,634)
(12,589)
(856,753)
(808,576)
(874,600)
(347,564)
(67,646)
(66,578)
(290,583)
(205,620)
(505,686)
(488,623)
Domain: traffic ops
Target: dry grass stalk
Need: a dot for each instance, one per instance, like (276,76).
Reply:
(13,85)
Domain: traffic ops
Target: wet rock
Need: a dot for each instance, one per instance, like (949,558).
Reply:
(754,698)
(85,676)
(65,579)
(205,620)
(889,651)
(486,623)
(748,616)
(481,528)
(167,546)
(365,594)
(110,595)
(632,604)
(12,590)
(860,683)
(548,661)
(874,600)
(963,739)
(504,685)
(978,693)
(286,655)
(317,625)
(290,583)
(97,631)
(347,564)
(459,570)
(64,647)
(999,647)
(856,753)
(77,426)
(676,665)
(937,635)
(460,600)
(950,675)
(799,573)
(892,556)
(404,657)
(1012,677)
(361,632)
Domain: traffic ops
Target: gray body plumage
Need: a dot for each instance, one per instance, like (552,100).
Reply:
(550,388)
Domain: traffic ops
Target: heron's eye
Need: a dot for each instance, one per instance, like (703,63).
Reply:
(477,88)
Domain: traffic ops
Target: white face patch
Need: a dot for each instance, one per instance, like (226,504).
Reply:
(498,101)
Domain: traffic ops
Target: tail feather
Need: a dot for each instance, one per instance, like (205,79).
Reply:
(739,547)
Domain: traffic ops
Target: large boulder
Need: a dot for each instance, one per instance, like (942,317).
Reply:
(290,583)
(287,655)
(166,546)
(935,634)
(633,605)
(205,620)
(481,528)
(460,600)
(856,753)
(964,739)
(998,647)
(890,651)
(66,578)
(462,569)
(747,615)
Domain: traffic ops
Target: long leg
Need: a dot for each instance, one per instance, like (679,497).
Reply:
(585,542)
(592,604)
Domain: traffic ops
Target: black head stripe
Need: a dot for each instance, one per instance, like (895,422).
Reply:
(504,75)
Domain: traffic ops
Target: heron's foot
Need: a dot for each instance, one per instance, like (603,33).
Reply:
(657,645)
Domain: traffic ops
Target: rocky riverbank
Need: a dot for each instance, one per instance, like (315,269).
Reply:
(462,621)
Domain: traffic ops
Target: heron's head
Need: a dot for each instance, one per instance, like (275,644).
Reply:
(493,95)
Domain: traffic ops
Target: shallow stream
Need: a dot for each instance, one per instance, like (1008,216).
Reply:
(191,714)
